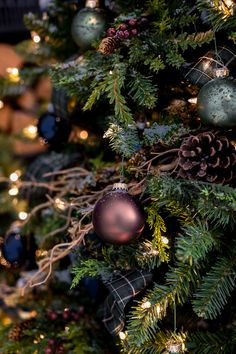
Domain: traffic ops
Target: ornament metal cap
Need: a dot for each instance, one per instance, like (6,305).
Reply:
(122,186)
(221,72)
(92,4)
(174,346)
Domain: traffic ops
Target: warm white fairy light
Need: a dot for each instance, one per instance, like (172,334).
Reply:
(158,309)
(83,134)
(1,104)
(22,215)
(35,37)
(14,177)
(123,335)
(30,131)
(13,74)
(146,305)
(193,100)
(164,240)
(60,204)
(13,191)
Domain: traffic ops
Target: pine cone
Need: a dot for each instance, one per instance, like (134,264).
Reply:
(108,45)
(17,331)
(207,157)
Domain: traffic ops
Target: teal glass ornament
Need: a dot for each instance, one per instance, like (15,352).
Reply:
(216,103)
(88,24)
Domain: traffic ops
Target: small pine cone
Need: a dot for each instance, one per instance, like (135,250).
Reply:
(207,157)
(17,331)
(108,45)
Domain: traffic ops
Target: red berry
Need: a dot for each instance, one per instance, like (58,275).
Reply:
(48,351)
(126,34)
(134,32)
(120,34)
(66,315)
(81,310)
(53,315)
(51,342)
(122,27)
(75,316)
(133,22)
(60,349)
(111,32)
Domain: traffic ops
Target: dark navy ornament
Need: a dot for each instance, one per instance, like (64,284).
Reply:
(53,130)
(13,248)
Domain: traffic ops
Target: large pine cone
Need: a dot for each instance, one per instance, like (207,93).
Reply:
(207,157)
(16,333)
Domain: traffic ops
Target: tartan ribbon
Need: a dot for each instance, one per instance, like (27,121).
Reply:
(121,290)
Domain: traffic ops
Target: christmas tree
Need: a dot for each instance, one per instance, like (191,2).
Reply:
(132,194)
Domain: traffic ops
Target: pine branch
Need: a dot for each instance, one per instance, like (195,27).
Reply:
(181,280)
(219,14)
(125,141)
(155,64)
(217,286)
(164,134)
(217,204)
(112,85)
(90,268)
(134,256)
(157,224)
(193,40)
(209,343)
(212,202)
(161,343)
(142,90)
(195,243)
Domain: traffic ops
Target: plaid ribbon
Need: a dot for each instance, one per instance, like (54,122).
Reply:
(122,290)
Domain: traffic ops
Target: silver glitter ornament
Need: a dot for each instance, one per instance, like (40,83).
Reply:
(216,103)
(88,24)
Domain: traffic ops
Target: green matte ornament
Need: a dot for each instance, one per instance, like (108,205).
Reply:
(88,24)
(217,103)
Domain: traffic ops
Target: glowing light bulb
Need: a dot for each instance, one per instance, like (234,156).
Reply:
(123,335)
(60,204)
(193,100)
(13,74)
(35,37)
(1,104)
(83,135)
(22,215)
(13,191)
(30,131)
(14,177)
(158,309)
(146,305)
(165,240)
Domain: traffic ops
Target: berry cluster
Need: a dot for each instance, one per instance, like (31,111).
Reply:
(128,29)
(55,346)
(66,315)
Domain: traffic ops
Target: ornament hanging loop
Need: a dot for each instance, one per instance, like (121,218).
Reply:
(220,69)
(92,4)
